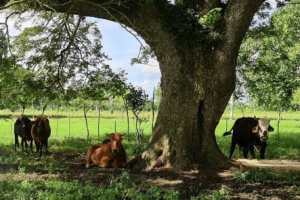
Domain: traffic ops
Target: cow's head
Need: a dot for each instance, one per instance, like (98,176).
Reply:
(263,128)
(115,141)
(24,123)
(38,124)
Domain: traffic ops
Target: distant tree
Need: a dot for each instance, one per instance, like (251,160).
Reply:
(296,100)
(73,52)
(101,86)
(269,59)
(158,96)
(137,98)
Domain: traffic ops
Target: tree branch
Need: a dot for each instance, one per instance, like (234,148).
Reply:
(237,18)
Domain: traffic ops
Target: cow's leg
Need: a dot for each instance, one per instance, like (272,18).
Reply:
(22,141)
(31,146)
(245,152)
(124,165)
(25,142)
(233,143)
(41,148)
(37,145)
(46,146)
(16,142)
(105,163)
(251,148)
(89,155)
(263,150)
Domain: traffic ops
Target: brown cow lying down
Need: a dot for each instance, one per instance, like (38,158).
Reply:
(110,153)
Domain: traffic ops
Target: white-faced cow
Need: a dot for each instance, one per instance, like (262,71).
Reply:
(250,133)
(22,128)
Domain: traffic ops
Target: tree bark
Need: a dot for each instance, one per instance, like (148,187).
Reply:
(191,107)
(197,79)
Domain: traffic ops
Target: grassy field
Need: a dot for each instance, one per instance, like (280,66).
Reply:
(61,175)
(63,129)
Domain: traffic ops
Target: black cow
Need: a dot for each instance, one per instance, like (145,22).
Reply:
(22,128)
(250,133)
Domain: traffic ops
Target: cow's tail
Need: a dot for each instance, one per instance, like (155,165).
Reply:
(228,132)
(234,125)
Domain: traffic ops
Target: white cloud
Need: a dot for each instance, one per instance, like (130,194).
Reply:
(148,86)
(151,72)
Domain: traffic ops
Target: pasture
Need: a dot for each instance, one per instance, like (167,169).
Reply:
(62,175)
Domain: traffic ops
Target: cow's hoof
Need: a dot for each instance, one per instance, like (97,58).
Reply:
(87,166)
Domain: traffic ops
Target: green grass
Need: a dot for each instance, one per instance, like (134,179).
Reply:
(56,189)
(288,146)
(68,149)
(60,127)
(258,175)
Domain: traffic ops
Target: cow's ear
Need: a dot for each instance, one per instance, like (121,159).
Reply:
(270,129)
(255,129)
(111,136)
(122,137)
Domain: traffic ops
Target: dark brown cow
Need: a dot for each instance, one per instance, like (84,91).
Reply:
(22,128)
(40,132)
(109,154)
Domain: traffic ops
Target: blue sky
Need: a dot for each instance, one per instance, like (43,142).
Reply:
(121,46)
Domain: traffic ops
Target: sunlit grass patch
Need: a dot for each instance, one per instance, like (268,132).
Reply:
(258,175)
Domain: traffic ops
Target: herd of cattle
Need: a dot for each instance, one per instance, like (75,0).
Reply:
(110,153)
(249,133)
(38,130)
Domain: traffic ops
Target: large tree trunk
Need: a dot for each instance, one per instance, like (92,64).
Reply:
(193,101)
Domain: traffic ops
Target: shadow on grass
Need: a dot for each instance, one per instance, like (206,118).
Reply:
(66,161)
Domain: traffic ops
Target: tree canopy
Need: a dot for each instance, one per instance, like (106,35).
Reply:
(269,59)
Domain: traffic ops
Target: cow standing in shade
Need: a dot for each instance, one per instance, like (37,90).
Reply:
(40,132)
(22,128)
(250,133)
(110,153)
